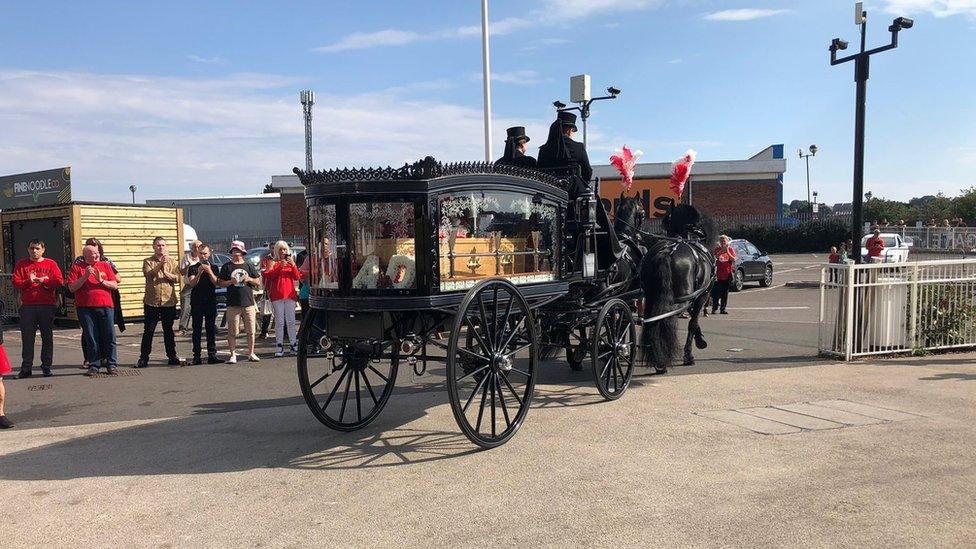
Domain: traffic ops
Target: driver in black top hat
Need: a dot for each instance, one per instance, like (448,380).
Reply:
(515,147)
(561,151)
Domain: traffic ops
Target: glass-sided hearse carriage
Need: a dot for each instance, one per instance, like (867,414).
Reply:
(468,264)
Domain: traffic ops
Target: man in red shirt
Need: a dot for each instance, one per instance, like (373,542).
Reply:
(92,282)
(875,244)
(37,278)
(724,267)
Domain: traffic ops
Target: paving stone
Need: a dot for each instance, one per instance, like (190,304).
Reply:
(830,414)
(792,418)
(866,410)
(750,422)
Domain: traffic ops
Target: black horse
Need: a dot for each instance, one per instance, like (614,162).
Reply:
(676,273)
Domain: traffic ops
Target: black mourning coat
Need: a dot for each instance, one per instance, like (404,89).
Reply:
(520,160)
(560,152)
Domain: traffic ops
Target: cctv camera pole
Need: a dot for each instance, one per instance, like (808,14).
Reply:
(861,72)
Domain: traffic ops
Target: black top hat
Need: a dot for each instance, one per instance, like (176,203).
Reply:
(567,118)
(516,134)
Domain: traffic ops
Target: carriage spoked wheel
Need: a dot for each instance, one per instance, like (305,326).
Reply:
(614,349)
(492,361)
(577,348)
(347,386)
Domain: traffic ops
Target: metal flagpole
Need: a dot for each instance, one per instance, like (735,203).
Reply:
(487,78)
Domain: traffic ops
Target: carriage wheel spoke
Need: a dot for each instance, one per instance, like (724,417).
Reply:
(512,335)
(345,397)
(501,399)
(519,350)
(484,347)
(494,315)
(484,322)
(472,354)
(359,409)
(336,388)
(606,375)
(481,408)
(319,380)
(508,312)
(493,382)
(526,374)
(370,388)
(510,388)
(621,372)
(473,393)
(615,368)
(471,373)
(377,372)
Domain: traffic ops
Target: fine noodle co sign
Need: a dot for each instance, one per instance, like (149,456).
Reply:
(35,189)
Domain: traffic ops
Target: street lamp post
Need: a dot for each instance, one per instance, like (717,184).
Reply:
(813,151)
(861,70)
(132,189)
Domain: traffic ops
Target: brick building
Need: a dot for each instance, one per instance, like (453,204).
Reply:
(718,187)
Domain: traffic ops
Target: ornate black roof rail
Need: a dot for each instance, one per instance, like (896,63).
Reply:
(428,168)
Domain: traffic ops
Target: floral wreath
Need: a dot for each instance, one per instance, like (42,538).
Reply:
(402,278)
(368,274)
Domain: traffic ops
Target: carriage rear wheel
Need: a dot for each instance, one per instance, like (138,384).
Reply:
(491,366)
(347,386)
(614,349)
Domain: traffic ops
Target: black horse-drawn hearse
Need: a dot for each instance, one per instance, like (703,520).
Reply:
(476,265)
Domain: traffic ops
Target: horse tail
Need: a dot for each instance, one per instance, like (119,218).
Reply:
(659,339)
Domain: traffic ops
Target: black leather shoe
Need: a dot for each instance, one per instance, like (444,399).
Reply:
(5,423)
(197,361)
(175,361)
(47,372)
(24,374)
(142,363)
(214,360)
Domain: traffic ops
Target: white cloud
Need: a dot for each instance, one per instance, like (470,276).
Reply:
(676,61)
(552,12)
(519,77)
(206,60)
(938,8)
(745,14)
(363,40)
(207,136)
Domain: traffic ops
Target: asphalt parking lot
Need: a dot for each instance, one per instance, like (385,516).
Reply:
(229,454)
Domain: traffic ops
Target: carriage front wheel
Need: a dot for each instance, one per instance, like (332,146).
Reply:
(346,386)
(491,362)
(614,347)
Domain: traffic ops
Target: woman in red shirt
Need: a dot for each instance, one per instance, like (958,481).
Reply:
(92,282)
(724,267)
(4,370)
(280,277)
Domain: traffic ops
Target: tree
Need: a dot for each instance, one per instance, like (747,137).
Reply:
(880,209)
(936,207)
(269,189)
(964,205)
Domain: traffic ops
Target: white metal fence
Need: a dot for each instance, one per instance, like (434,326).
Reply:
(960,239)
(888,308)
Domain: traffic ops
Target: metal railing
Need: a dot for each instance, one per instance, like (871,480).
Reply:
(960,239)
(9,295)
(885,308)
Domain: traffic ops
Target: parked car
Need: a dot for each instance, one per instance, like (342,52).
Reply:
(750,265)
(255,255)
(895,247)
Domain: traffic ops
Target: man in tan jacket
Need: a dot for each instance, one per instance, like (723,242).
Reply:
(162,272)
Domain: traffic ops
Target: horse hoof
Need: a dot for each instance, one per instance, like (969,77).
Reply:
(689,361)
(701,343)
(660,370)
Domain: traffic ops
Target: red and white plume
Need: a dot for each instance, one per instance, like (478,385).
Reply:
(625,163)
(680,170)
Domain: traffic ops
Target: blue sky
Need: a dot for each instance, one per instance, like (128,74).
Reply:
(200,98)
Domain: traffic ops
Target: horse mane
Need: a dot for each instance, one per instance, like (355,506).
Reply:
(687,221)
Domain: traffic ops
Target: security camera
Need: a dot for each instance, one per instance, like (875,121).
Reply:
(559,104)
(901,23)
(813,149)
(613,91)
(838,44)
